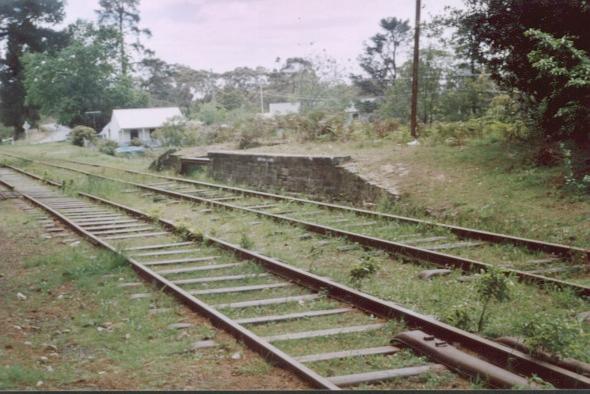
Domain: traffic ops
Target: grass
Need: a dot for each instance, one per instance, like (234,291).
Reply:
(395,280)
(103,338)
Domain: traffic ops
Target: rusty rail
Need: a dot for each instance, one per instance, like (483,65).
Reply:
(532,244)
(500,354)
(503,355)
(368,241)
(254,342)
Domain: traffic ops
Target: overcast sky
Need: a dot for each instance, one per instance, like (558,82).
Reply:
(220,35)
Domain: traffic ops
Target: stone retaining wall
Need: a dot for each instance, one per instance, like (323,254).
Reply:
(312,175)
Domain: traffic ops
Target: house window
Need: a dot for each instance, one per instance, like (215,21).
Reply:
(134,134)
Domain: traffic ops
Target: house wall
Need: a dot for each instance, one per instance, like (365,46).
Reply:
(125,136)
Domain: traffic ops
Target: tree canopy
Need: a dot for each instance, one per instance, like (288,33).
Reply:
(24,28)
(124,17)
(80,78)
(380,57)
(540,48)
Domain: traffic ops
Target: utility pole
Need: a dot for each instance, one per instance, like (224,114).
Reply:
(415,68)
(261,100)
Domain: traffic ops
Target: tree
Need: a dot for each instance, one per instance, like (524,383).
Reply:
(157,79)
(24,29)
(380,56)
(433,68)
(123,15)
(79,78)
(498,39)
(564,73)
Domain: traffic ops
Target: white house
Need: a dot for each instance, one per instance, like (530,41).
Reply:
(137,123)
(284,108)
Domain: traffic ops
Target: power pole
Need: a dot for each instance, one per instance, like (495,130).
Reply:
(261,100)
(415,68)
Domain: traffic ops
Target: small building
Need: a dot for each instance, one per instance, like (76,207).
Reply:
(284,108)
(137,123)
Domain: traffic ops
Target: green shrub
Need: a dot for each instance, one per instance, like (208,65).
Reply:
(315,126)
(492,285)
(362,271)
(459,133)
(108,147)
(557,336)
(211,113)
(135,142)
(83,135)
(177,132)
(246,242)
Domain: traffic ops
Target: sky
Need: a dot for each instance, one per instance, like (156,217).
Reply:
(220,35)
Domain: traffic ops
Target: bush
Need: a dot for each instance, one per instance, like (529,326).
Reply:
(492,285)
(211,113)
(135,142)
(177,132)
(250,131)
(459,133)
(557,336)
(315,126)
(108,147)
(83,135)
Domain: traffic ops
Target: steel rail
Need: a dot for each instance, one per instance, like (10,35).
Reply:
(532,244)
(253,341)
(502,355)
(392,247)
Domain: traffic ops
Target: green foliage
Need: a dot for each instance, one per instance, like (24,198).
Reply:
(492,285)
(461,316)
(177,132)
(24,28)
(211,113)
(123,16)
(460,133)
(556,336)
(135,142)
(447,91)
(538,49)
(564,72)
(362,271)
(108,147)
(379,59)
(246,242)
(82,135)
(12,376)
(79,78)
(572,183)
(315,126)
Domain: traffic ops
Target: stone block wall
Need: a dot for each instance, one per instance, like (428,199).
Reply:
(321,176)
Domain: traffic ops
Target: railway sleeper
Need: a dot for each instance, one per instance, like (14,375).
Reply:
(322,382)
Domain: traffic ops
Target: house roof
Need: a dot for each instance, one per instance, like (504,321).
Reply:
(139,118)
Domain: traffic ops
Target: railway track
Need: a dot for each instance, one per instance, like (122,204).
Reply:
(449,246)
(270,305)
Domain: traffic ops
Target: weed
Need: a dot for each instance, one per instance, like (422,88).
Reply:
(461,316)
(246,242)
(12,376)
(92,267)
(108,147)
(557,336)
(255,367)
(491,285)
(362,271)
